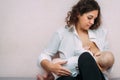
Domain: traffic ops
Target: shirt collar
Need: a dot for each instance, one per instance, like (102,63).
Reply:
(91,33)
(73,29)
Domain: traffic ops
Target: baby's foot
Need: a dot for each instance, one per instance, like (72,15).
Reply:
(40,77)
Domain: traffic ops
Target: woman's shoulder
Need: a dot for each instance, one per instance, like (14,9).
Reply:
(62,30)
(101,31)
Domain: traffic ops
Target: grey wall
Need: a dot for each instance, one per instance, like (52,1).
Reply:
(26,27)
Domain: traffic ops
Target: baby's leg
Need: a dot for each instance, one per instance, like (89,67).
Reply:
(45,75)
(40,77)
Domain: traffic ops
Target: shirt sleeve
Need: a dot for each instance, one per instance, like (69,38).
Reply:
(51,49)
(105,40)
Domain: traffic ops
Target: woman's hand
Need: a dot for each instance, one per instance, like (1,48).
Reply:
(59,70)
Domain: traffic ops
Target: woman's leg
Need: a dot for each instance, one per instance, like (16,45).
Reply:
(66,78)
(88,68)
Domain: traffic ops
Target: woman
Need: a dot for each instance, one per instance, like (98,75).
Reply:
(82,35)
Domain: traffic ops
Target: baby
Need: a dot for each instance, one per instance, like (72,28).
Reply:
(70,62)
(104,60)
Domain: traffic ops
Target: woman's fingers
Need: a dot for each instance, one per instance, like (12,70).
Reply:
(66,71)
(59,70)
(63,72)
(63,69)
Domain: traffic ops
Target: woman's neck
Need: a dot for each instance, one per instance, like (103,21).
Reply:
(80,30)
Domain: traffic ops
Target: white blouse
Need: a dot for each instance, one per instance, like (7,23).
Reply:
(68,43)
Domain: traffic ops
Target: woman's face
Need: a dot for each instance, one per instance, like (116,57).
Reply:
(86,20)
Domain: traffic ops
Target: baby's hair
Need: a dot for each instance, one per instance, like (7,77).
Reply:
(107,60)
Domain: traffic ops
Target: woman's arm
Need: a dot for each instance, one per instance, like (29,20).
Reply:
(55,68)
(51,50)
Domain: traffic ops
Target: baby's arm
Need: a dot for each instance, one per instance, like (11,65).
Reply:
(46,75)
(49,76)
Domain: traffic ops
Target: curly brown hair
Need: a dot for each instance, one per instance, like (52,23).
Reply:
(83,6)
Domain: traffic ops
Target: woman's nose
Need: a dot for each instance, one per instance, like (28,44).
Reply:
(92,21)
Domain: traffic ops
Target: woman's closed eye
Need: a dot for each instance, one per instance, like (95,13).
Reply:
(89,17)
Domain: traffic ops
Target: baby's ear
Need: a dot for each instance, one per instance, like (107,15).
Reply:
(97,54)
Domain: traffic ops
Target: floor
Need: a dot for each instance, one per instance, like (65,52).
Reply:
(116,79)
(14,78)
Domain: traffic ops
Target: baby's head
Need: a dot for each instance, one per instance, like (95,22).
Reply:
(105,60)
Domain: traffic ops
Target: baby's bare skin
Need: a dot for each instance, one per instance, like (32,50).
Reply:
(105,60)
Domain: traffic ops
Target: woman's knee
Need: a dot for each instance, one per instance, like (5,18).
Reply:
(87,65)
(85,56)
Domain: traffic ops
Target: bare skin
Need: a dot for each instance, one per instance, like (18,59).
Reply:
(105,60)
